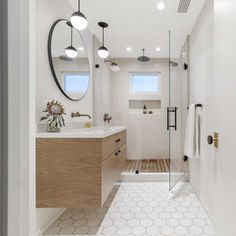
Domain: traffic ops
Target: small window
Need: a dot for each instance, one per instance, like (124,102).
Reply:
(76,82)
(145,83)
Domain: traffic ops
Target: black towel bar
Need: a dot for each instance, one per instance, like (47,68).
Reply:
(197,105)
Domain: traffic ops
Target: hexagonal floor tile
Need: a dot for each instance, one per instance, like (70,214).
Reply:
(139,209)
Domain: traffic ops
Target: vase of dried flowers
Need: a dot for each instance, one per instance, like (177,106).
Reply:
(54,113)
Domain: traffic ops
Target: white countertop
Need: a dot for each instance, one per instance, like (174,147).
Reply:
(94,132)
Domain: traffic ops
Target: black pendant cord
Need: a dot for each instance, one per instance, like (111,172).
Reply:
(103,37)
(71,37)
(103,25)
(78,5)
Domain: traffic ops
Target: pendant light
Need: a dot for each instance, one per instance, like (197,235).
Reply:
(70,51)
(78,19)
(103,51)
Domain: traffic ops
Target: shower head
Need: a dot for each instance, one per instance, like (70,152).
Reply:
(143,58)
(173,63)
(65,58)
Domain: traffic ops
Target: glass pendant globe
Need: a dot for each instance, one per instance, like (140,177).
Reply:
(103,52)
(79,21)
(71,52)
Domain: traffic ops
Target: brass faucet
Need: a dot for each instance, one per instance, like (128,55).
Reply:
(107,118)
(77,114)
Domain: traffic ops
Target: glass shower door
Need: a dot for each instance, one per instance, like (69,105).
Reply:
(175,119)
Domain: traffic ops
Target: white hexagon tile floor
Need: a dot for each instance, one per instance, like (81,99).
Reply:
(140,209)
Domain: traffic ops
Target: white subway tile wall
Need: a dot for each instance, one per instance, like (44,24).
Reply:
(147,136)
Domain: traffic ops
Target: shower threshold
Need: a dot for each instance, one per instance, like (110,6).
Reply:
(154,170)
(146,166)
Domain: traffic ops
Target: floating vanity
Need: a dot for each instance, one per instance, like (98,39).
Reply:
(78,168)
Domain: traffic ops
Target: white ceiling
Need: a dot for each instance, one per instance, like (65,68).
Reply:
(139,24)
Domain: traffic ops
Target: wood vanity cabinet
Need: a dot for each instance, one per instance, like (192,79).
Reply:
(78,172)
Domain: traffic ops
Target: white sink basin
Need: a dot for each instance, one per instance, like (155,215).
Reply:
(94,132)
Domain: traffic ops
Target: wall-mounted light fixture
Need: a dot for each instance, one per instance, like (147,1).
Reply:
(70,51)
(78,19)
(114,66)
(103,51)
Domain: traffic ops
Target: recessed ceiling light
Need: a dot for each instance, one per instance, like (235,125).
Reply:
(129,49)
(80,49)
(158,49)
(161,5)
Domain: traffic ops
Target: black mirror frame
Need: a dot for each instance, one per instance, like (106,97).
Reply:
(51,62)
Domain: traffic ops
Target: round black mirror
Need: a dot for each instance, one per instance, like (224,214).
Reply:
(68,59)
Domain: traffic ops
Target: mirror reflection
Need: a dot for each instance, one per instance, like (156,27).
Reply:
(69,60)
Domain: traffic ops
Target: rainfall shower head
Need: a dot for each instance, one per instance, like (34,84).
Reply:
(65,58)
(143,58)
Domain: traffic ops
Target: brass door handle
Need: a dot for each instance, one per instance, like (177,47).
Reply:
(117,153)
(213,140)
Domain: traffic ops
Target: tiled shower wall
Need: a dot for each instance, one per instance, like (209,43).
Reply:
(147,134)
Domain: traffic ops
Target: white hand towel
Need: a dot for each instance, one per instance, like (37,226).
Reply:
(198,132)
(190,138)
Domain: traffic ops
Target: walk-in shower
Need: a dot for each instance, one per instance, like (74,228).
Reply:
(158,155)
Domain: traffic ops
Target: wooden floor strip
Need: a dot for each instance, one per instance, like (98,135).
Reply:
(147,166)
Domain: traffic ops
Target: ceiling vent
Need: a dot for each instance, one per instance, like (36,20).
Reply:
(183,6)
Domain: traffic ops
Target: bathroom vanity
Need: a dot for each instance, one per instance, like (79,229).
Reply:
(78,168)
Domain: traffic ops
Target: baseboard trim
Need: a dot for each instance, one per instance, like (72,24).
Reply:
(204,204)
(207,209)
(41,231)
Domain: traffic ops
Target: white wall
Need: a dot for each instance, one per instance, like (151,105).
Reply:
(212,47)
(102,87)
(21,128)
(147,134)
(223,159)
(46,90)
(201,47)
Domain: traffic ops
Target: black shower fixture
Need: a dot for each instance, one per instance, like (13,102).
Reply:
(143,58)
(185,66)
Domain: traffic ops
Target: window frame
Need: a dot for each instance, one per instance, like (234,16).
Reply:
(131,74)
(144,96)
(74,73)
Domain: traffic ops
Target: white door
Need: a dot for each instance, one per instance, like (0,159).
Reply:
(222,119)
